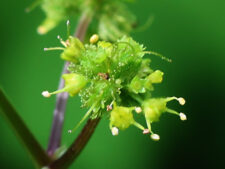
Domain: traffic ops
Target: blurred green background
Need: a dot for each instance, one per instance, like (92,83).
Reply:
(191,32)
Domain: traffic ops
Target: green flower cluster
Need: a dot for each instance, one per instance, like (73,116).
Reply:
(112,16)
(114,79)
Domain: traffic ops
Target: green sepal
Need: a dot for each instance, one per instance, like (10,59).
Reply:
(155,77)
(137,85)
(121,117)
(153,108)
(74,83)
(73,51)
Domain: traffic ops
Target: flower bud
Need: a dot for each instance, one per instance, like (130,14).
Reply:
(137,85)
(94,38)
(156,77)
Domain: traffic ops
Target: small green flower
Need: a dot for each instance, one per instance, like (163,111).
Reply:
(73,50)
(73,84)
(114,79)
(122,118)
(153,109)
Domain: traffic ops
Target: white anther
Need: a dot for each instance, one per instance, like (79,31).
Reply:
(183,117)
(115,131)
(138,110)
(181,100)
(46,94)
(155,137)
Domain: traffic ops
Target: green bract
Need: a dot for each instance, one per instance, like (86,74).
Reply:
(114,79)
(112,16)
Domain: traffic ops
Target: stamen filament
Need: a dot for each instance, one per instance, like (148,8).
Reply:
(172,111)
(148,124)
(84,118)
(68,28)
(136,97)
(157,54)
(61,41)
(53,48)
(59,91)
(170,98)
(138,125)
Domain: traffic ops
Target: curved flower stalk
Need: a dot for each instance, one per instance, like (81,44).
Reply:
(112,16)
(114,79)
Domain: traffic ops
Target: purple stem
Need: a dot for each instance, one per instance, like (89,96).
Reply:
(61,99)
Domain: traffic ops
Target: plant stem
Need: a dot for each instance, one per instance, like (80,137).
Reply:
(74,150)
(33,147)
(61,99)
